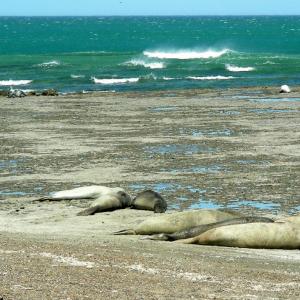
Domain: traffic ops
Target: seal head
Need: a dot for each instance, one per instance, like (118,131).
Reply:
(149,200)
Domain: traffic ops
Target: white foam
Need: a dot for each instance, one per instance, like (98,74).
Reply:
(269,62)
(233,68)
(149,65)
(186,54)
(49,64)
(77,76)
(115,80)
(14,82)
(150,76)
(219,77)
(169,78)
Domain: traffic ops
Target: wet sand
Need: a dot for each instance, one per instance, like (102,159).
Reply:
(234,149)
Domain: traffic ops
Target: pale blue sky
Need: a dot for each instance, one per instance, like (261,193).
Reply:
(148,7)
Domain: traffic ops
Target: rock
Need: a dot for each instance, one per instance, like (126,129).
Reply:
(32,93)
(5,94)
(15,94)
(50,92)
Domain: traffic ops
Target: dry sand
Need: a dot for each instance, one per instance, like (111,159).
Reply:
(197,148)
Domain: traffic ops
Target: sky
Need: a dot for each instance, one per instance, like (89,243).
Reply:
(148,7)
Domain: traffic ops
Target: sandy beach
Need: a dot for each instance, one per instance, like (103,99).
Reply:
(233,149)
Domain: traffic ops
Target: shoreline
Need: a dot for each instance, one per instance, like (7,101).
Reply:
(261,90)
(202,149)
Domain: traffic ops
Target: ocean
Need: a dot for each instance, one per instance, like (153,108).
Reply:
(73,54)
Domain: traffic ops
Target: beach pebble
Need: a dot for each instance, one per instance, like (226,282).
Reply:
(285,89)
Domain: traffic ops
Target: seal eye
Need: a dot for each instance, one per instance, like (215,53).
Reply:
(123,195)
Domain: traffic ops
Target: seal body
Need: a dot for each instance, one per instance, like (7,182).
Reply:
(252,235)
(149,200)
(197,230)
(107,202)
(170,223)
(85,192)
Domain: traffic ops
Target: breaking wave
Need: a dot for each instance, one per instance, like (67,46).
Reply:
(150,65)
(77,76)
(186,54)
(14,82)
(211,77)
(169,78)
(49,64)
(233,68)
(114,80)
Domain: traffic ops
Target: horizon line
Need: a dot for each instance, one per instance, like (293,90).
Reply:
(141,15)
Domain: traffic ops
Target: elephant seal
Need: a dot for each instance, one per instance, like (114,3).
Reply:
(197,230)
(170,223)
(253,235)
(84,192)
(107,202)
(149,200)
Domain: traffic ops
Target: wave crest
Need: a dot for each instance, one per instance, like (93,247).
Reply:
(14,82)
(76,76)
(186,54)
(218,77)
(233,68)
(150,65)
(49,64)
(110,81)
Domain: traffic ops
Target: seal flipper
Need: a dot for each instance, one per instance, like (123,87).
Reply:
(44,199)
(89,211)
(186,241)
(158,237)
(125,232)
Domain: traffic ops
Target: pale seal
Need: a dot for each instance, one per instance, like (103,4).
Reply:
(149,200)
(253,235)
(84,192)
(197,230)
(107,202)
(173,222)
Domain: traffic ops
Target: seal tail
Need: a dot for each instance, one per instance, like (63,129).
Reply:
(124,232)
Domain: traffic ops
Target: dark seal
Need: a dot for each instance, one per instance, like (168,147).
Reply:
(107,202)
(149,200)
(197,230)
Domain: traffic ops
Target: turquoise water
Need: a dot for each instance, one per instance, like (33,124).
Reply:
(148,53)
